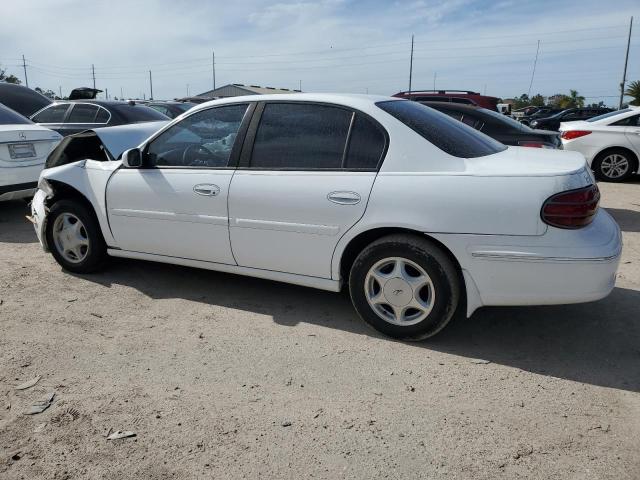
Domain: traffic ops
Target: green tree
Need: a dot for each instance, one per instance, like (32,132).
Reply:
(633,90)
(47,93)
(572,100)
(8,78)
(537,100)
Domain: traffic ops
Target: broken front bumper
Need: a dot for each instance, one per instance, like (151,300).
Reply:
(39,213)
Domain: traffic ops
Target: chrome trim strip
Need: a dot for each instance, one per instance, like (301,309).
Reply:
(169,216)
(330,230)
(510,257)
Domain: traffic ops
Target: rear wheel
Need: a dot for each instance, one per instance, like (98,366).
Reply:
(404,286)
(74,237)
(614,165)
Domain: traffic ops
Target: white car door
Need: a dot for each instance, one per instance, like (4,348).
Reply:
(304,179)
(176,205)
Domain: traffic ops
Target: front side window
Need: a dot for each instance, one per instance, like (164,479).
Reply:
(83,113)
(204,139)
(52,114)
(449,135)
(301,136)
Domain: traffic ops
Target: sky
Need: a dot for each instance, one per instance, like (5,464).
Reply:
(351,46)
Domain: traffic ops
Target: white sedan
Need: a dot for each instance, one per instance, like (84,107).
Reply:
(409,209)
(24,147)
(609,142)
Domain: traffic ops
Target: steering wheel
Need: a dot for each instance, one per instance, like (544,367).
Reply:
(197,149)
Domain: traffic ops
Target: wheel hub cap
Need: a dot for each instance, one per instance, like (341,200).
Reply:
(399,291)
(70,238)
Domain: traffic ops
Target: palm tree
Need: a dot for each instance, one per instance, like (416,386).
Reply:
(634,91)
(572,100)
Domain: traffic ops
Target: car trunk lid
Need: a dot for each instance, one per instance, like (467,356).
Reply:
(24,145)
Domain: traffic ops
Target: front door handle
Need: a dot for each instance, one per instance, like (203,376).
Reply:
(344,198)
(207,189)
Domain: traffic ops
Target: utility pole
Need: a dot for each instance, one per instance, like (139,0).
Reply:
(93,74)
(213,66)
(150,86)
(60,91)
(534,69)
(106,94)
(626,60)
(121,94)
(411,67)
(435,74)
(24,65)
(187,89)
(300,85)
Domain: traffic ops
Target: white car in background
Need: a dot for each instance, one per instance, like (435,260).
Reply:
(410,209)
(24,147)
(609,142)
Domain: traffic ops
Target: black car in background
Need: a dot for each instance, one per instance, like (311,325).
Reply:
(76,116)
(498,126)
(22,99)
(569,115)
(171,109)
(541,112)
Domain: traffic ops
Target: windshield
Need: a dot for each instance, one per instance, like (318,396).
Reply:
(506,119)
(9,117)
(607,115)
(446,133)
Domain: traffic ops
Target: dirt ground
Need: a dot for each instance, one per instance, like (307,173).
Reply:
(221,376)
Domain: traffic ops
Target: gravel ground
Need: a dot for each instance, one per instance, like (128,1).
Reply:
(222,376)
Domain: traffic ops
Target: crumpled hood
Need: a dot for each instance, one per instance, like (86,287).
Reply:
(123,137)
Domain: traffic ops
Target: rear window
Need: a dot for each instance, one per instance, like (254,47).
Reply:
(449,135)
(138,113)
(9,117)
(607,115)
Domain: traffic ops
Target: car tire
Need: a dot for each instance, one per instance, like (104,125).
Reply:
(405,287)
(615,165)
(74,237)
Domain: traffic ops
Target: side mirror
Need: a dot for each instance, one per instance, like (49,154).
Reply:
(132,158)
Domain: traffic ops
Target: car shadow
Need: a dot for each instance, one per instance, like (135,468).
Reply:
(596,343)
(629,220)
(14,227)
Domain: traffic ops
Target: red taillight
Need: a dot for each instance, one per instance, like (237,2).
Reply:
(572,209)
(531,144)
(571,134)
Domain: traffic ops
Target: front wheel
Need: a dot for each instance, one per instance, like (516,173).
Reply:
(404,286)
(614,165)
(74,237)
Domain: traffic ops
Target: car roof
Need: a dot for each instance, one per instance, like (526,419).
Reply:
(345,99)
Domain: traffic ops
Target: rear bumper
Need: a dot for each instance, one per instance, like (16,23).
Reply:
(17,190)
(565,266)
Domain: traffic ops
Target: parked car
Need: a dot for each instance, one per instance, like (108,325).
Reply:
(22,99)
(569,115)
(609,142)
(540,112)
(498,126)
(23,150)
(410,209)
(67,117)
(171,109)
(464,97)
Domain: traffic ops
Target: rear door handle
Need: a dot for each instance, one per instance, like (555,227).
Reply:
(207,189)
(344,198)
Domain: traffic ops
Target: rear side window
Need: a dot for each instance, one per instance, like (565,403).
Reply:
(138,113)
(102,116)
(52,114)
(449,135)
(83,113)
(632,121)
(366,145)
(9,117)
(301,136)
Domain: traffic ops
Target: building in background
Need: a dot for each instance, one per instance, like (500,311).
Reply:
(238,89)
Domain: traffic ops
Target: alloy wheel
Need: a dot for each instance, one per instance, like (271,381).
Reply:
(399,291)
(614,165)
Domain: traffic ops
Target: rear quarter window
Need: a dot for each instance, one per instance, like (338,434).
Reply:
(446,133)
(138,113)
